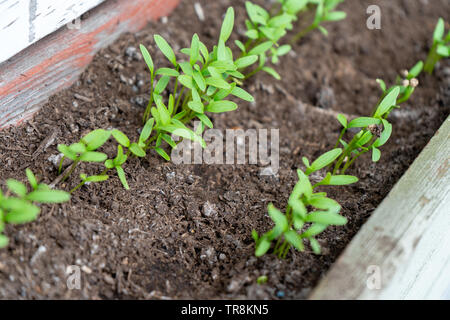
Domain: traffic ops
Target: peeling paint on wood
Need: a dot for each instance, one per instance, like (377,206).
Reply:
(55,62)
(406,243)
(23,22)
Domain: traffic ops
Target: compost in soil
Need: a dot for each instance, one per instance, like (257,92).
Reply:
(184,231)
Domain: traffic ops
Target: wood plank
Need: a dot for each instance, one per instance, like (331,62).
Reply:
(24,22)
(55,62)
(407,239)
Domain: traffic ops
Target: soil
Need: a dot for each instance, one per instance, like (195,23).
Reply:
(184,231)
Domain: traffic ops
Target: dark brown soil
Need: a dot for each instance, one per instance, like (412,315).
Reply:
(183,231)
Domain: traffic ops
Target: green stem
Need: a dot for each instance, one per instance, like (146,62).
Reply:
(432,59)
(303,33)
(61,164)
(74,165)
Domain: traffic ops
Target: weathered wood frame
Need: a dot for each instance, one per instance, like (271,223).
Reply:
(55,62)
(403,250)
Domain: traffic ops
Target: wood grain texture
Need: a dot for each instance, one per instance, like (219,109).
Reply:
(407,237)
(23,22)
(55,62)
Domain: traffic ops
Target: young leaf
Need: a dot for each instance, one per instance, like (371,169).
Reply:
(439,30)
(48,196)
(262,48)
(121,138)
(280,219)
(147,130)
(167,72)
(147,58)
(324,160)
(386,104)
(326,218)
(376,154)
(3,241)
(17,187)
(95,139)
(272,72)
(244,62)
(315,246)
(242,94)
(363,122)
(221,106)
(294,239)
(227,26)
(166,49)
(65,150)
(262,247)
(92,156)
(137,150)
(162,153)
(96,178)
(342,120)
(32,179)
(122,177)
(342,180)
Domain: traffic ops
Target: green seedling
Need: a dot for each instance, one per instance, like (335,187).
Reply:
(201,85)
(440,48)
(325,12)
(265,30)
(307,214)
(375,130)
(262,280)
(19,208)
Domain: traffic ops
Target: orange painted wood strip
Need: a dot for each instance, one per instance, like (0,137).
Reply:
(28,79)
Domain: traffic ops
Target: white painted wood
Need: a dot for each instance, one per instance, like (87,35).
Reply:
(407,237)
(23,22)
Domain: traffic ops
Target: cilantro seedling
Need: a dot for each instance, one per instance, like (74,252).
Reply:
(325,12)
(202,83)
(19,208)
(440,48)
(307,214)
(375,130)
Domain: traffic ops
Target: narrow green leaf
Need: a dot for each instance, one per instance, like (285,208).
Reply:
(3,241)
(95,139)
(121,138)
(387,103)
(31,178)
(122,177)
(147,58)
(324,160)
(376,154)
(167,72)
(244,62)
(227,26)
(262,247)
(166,49)
(294,239)
(363,122)
(262,48)
(92,156)
(17,187)
(221,106)
(162,153)
(48,196)
(137,150)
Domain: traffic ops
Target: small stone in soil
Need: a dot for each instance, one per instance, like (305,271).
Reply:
(132,52)
(209,209)
(326,98)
